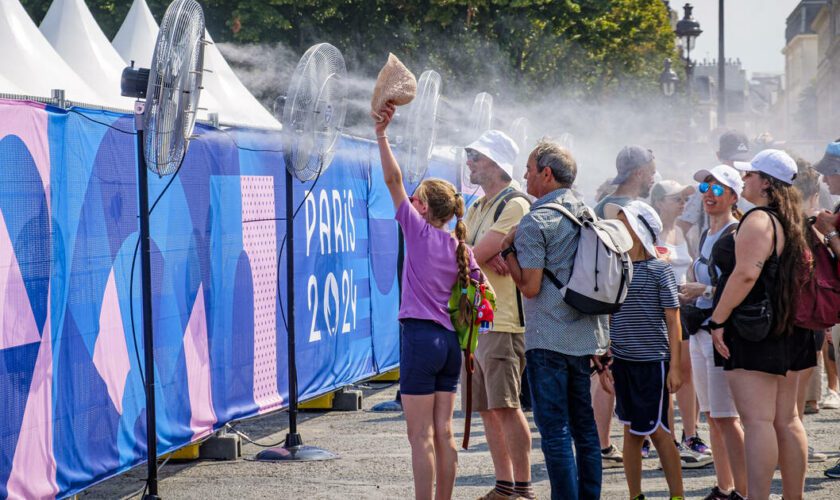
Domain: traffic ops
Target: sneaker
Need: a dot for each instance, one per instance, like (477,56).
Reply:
(612,454)
(811,407)
(716,494)
(689,459)
(831,401)
(646,449)
(697,445)
(495,495)
(834,471)
(736,496)
(815,456)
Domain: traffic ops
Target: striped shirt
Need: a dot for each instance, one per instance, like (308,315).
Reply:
(638,330)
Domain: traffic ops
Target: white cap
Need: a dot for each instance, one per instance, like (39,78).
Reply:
(499,147)
(775,163)
(725,175)
(642,218)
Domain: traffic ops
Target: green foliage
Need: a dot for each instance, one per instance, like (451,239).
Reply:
(591,48)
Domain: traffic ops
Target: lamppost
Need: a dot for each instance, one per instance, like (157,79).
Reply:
(688,29)
(668,79)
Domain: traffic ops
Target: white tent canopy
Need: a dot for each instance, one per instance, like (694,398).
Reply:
(71,29)
(30,62)
(135,41)
(241,106)
(223,92)
(7,87)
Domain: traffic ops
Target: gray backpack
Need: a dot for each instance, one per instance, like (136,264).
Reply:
(602,269)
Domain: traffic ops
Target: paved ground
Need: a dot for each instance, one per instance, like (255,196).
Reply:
(375,463)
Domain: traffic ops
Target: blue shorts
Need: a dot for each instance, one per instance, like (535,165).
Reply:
(430,358)
(641,395)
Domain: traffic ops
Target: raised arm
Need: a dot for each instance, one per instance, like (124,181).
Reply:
(390,168)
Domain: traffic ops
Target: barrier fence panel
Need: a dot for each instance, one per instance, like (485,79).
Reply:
(70,371)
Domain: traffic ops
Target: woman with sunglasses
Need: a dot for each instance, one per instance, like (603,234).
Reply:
(719,188)
(668,198)
(757,344)
(430,356)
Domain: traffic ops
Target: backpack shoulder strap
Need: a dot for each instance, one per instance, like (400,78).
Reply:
(558,207)
(504,201)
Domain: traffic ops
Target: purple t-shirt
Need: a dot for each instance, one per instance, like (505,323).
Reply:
(430,269)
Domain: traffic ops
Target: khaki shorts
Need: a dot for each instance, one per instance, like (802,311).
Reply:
(499,363)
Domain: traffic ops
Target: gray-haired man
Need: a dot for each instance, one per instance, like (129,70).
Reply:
(559,341)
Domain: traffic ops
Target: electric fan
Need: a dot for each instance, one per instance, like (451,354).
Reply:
(164,125)
(313,115)
(415,136)
(314,111)
(481,118)
(520,132)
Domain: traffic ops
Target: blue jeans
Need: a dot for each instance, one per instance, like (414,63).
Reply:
(563,413)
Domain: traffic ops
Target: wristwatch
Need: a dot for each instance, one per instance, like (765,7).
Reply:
(707,293)
(828,237)
(507,251)
(714,326)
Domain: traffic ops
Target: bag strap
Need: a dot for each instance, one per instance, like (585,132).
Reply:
(498,213)
(469,368)
(505,199)
(557,207)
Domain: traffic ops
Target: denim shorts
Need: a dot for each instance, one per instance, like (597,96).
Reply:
(430,358)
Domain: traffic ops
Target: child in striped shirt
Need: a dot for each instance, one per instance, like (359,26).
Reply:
(645,342)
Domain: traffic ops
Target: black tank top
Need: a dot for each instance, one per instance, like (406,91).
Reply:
(723,256)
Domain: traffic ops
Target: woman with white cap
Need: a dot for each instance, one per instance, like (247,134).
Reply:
(753,323)
(719,189)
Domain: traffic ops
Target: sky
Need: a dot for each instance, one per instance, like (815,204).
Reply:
(754,31)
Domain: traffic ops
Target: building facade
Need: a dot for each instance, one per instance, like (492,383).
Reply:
(801,60)
(826,25)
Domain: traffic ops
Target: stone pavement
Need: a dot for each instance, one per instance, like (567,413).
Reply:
(375,462)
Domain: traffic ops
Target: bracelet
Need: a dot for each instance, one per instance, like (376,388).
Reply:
(383,136)
(714,326)
(830,236)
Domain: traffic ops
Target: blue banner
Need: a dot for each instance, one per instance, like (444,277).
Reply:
(71,340)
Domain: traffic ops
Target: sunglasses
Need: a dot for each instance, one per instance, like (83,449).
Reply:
(473,155)
(716,189)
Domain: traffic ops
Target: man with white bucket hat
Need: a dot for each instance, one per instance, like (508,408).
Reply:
(500,355)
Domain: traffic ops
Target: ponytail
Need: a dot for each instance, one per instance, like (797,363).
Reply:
(463,258)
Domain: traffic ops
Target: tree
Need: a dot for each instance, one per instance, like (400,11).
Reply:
(589,48)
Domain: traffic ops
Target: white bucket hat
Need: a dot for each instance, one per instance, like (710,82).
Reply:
(499,147)
(642,218)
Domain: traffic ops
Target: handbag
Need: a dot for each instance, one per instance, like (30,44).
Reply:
(753,322)
(693,317)
(482,302)
(818,306)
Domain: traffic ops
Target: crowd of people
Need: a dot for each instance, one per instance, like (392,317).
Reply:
(711,318)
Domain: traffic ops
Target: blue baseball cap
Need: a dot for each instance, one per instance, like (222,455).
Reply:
(830,162)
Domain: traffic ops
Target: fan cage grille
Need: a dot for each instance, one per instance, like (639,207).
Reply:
(174,87)
(420,130)
(314,112)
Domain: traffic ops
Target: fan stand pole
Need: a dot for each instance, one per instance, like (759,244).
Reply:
(293,449)
(148,331)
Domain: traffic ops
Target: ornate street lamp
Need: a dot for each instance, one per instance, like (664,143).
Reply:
(688,29)
(668,79)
